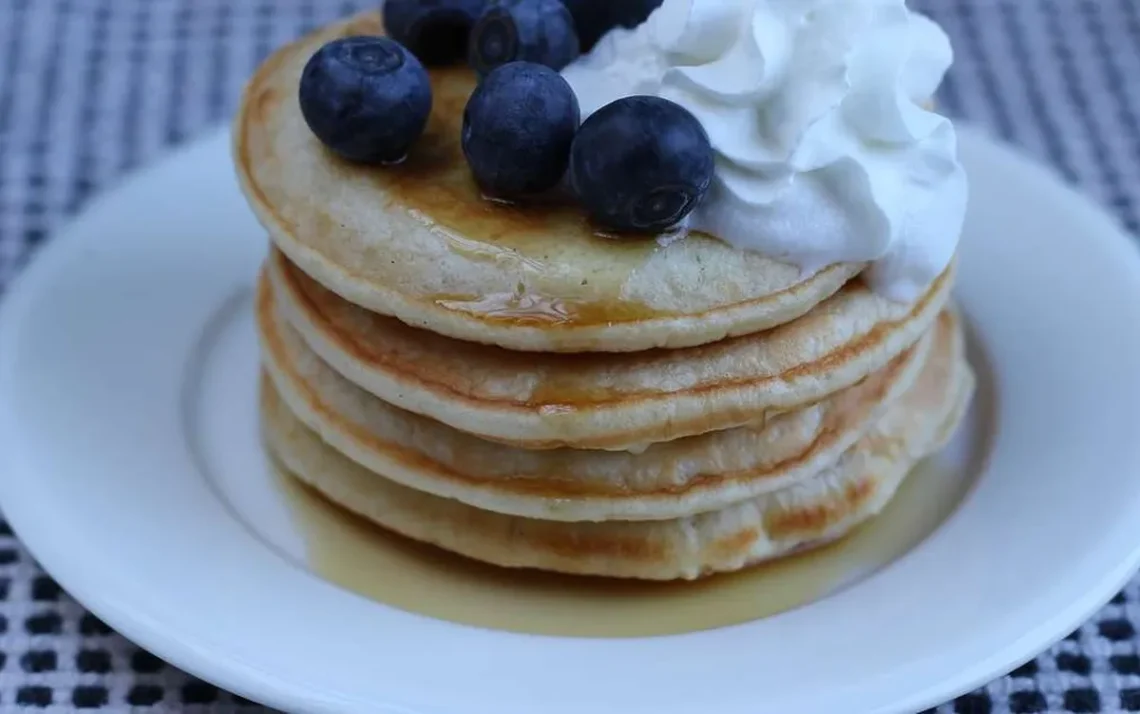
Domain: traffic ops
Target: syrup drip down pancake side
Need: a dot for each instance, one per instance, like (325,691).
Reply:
(418,242)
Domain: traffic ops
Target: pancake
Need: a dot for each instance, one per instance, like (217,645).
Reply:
(667,480)
(417,241)
(605,401)
(821,509)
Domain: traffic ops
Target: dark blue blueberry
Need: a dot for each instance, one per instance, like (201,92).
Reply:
(517,129)
(540,31)
(435,31)
(641,164)
(594,18)
(631,13)
(366,98)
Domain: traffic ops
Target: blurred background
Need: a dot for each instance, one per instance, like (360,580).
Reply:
(91,89)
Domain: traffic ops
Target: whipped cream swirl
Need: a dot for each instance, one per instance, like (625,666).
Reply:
(825,150)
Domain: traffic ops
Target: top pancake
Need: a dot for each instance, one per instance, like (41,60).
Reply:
(418,242)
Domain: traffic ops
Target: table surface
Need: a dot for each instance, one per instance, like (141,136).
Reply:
(91,89)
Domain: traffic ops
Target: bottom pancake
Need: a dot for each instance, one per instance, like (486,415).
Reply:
(824,508)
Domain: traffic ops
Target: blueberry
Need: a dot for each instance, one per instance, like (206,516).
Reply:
(540,31)
(366,98)
(641,164)
(594,18)
(631,13)
(517,129)
(434,30)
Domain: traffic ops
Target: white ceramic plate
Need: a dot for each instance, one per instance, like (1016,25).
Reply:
(127,383)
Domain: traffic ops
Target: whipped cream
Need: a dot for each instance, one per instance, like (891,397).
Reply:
(824,149)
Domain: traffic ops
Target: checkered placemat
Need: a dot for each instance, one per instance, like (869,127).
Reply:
(90,89)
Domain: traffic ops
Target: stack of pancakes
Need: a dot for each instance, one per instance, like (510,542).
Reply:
(507,384)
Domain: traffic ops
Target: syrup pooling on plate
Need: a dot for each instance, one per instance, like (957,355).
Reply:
(358,556)
(434,184)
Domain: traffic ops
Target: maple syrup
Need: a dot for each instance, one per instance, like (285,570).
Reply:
(421,579)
